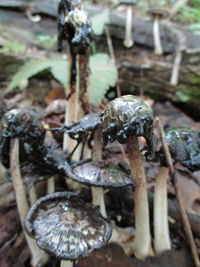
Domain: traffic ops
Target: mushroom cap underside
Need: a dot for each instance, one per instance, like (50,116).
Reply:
(102,173)
(66,227)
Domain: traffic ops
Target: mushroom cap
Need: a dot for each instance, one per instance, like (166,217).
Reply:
(160,12)
(66,227)
(184,144)
(128,2)
(104,174)
(126,116)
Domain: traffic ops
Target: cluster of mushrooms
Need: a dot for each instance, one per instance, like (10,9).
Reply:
(63,224)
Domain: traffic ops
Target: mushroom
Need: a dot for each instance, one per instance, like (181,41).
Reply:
(124,119)
(184,145)
(128,40)
(157,13)
(66,227)
(177,135)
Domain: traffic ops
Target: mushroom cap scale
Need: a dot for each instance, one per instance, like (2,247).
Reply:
(66,227)
(104,174)
(184,144)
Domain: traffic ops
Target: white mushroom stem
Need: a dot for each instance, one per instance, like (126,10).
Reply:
(142,226)
(128,40)
(176,68)
(66,263)
(51,185)
(156,35)
(38,256)
(98,192)
(32,195)
(2,172)
(161,226)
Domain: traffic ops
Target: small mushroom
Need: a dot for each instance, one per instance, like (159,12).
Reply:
(157,13)
(128,40)
(184,145)
(66,227)
(124,119)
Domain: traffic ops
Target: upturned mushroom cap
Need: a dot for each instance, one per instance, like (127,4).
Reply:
(104,174)
(184,144)
(66,227)
(160,12)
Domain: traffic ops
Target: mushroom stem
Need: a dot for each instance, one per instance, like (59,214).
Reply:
(32,195)
(128,41)
(71,112)
(176,68)
(51,185)
(2,172)
(142,226)
(38,256)
(161,227)
(156,35)
(66,263)
(84,83)
(98,192)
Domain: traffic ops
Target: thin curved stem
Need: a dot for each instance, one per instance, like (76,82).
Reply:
(38,256)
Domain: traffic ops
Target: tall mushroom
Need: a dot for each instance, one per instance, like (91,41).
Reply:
(157,14)
(66,227)
(124,119)
(128,40)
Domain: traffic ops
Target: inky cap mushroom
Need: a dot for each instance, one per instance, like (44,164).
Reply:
(66,227)
(184,144)
(127,116)
(101,173)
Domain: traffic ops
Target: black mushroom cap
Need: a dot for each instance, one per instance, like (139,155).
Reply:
(104,174)
(128,116)
(184,145)
(128,2)
(66,227)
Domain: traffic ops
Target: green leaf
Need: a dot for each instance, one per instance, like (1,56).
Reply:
(34,66)
(104,75)
(99,20)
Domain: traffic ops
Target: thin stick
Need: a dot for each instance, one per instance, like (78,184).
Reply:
(184,216)
(38,256)
(142,225)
